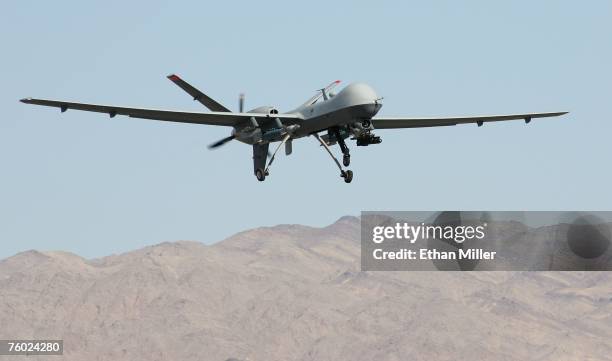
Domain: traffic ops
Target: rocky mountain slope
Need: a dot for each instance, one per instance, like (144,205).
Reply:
(292,292)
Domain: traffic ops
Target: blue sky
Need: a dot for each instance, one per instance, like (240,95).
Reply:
(92,185)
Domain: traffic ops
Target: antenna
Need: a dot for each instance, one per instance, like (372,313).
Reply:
(324,92)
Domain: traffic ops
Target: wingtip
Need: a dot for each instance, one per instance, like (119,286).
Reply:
(25,100)
(173,77)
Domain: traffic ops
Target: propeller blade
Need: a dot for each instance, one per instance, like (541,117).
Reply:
(221,142)
(241,103)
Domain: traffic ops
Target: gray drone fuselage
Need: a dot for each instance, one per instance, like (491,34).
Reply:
(356,103)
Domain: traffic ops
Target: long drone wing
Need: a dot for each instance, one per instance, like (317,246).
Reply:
(394,123)
(210,118)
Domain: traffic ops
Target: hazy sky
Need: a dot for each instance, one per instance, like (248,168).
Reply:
(85,183)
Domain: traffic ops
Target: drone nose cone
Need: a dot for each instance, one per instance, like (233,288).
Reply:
(360,93)
(362,99)
(370,110)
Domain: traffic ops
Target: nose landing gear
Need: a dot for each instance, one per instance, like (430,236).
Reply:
(346,174)
(346,154)
(346,160)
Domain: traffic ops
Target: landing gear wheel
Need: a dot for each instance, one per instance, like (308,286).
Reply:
(366,123)
(347,175)
(346,160)
(260,174)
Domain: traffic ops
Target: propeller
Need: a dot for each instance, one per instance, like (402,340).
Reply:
(221,142)
(231,137)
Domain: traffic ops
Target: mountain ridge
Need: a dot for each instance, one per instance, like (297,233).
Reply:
(296,292)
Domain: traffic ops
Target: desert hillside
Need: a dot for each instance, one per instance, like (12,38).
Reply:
(293,292)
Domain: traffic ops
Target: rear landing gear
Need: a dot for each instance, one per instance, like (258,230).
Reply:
(260,152)
(260,174)
(346,174)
